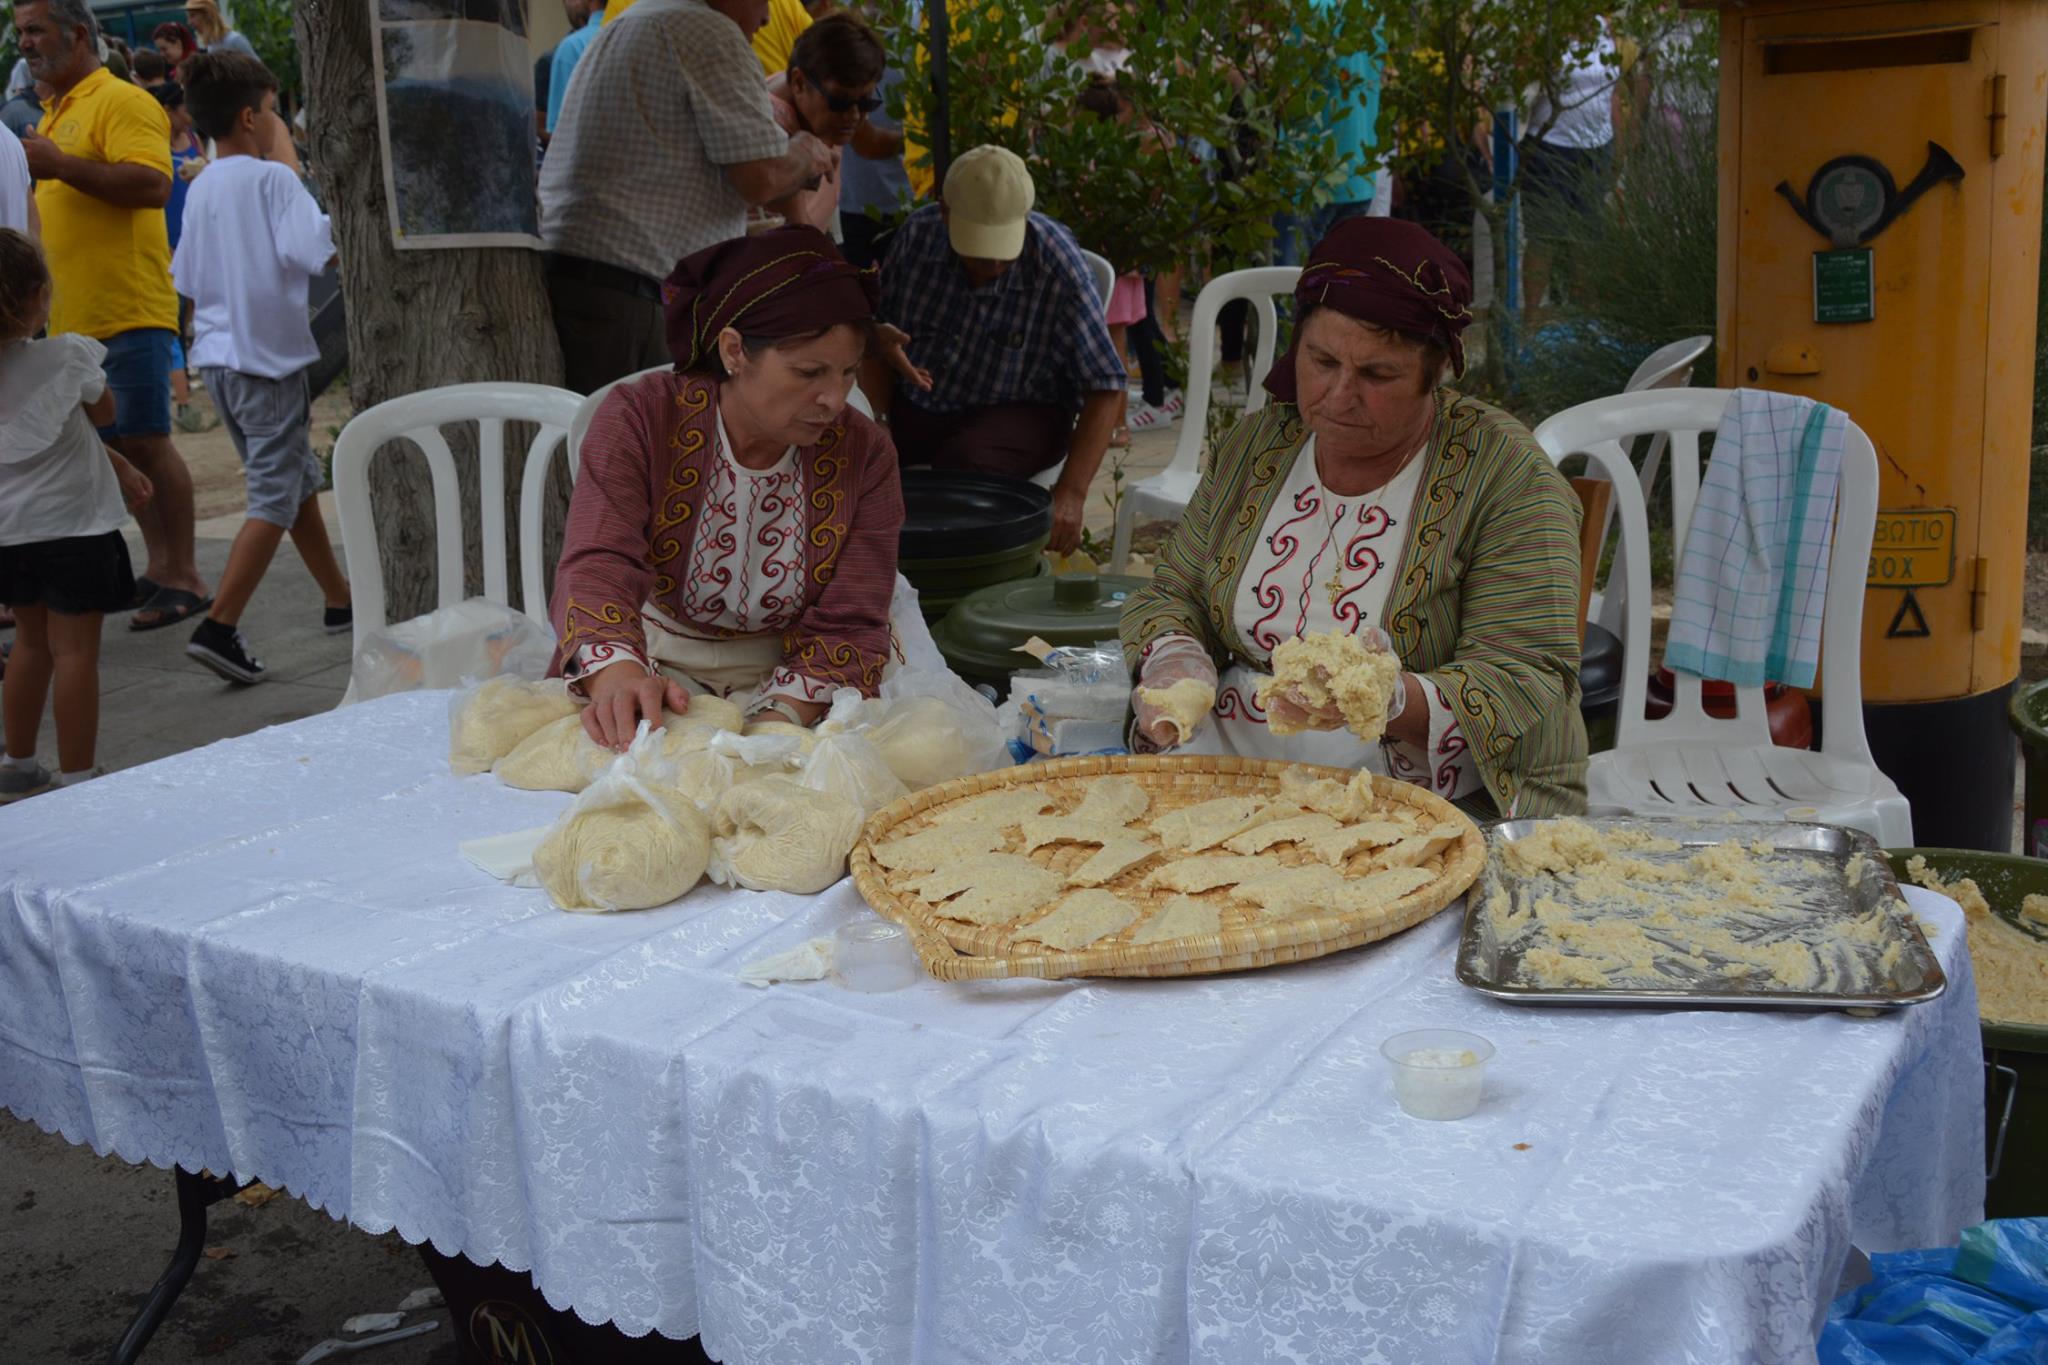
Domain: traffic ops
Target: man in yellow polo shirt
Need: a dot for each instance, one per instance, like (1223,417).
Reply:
(102,163)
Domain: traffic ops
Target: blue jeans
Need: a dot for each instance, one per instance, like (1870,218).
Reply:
(138,367)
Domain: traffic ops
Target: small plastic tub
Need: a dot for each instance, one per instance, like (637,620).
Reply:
(873,956)
(1439,1073)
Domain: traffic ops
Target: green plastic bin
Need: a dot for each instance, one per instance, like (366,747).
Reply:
(2029,716)
(2015,1055)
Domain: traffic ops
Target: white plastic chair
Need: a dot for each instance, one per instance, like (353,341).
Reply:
(1690,763)
(418,418)
(1668,367)
(1165,496)
(1104,272)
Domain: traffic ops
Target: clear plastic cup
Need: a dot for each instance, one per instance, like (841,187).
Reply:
(1439,1073)
(873,956)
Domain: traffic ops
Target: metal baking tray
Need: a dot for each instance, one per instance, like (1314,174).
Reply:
(1487,967)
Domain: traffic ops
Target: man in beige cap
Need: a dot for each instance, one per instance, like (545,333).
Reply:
(1011,369)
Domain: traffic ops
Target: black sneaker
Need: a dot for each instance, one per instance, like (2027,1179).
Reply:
(338,620)
(222,649)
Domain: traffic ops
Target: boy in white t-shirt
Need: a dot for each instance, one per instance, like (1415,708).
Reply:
(17,191)
(253,240)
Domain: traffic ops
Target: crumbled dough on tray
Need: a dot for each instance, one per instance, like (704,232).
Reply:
(2011,964)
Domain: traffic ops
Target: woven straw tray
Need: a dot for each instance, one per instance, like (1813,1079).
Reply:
(952,951)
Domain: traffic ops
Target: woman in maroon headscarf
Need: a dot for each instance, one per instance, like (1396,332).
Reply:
(1369,500)
(733,529)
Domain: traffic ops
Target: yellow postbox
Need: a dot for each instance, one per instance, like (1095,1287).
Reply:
(1880,231)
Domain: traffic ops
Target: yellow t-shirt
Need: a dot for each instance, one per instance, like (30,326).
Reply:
(110,267)
(777,38)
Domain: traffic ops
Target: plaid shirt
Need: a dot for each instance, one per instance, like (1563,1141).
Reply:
(665,97)
(1036,335)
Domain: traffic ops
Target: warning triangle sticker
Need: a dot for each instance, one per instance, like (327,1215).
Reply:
(1907,622)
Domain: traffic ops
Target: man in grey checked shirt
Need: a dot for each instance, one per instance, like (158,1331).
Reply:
(666,139)
(1005,340)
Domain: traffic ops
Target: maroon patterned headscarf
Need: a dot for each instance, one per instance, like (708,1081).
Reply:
(1390,273)
(785,282)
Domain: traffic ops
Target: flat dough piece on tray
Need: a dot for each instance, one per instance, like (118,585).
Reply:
(1209,872)
(967,872)
(1113,800)
(1378,890)
(999,902)
(933,848)
(1208,823)
(1112,860)
(1339,844)
(1299,829)
(1181,917)
(1292,890)
(1080,919)
(999,808)
(1417,849)
(1040,830)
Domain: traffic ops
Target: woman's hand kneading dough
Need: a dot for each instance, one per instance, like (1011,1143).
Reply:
(624,694)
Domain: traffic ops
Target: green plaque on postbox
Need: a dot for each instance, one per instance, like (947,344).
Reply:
(1843,285)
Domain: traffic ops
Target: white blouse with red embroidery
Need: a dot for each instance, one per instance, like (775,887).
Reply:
(1324,563)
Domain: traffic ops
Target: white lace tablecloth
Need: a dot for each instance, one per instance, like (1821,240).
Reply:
(266,957)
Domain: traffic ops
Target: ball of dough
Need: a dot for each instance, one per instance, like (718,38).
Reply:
(491,719)
(716,712)
(925,742)
(848,767)
(776,834)
(621,853)
(1335,669)
(1185,705)
(558,757)
(806,739)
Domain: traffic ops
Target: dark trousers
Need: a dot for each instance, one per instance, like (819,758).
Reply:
(606,333)
(861,233)
(1147,342)
(1018,439)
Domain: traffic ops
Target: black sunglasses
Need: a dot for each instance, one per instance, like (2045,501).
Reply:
(839,104)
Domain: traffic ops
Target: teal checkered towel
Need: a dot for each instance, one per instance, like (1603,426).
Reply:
(1753,576)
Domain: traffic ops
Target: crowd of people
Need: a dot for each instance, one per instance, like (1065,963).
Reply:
(160,238)
(151,202)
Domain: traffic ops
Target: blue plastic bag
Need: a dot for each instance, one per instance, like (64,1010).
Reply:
(1984,1302)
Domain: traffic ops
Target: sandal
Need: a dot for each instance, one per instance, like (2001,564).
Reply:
(171,606)
(145,588)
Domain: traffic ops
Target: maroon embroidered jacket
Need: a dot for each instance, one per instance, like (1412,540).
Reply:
(639,493)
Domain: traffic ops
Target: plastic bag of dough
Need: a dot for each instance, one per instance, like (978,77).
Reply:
(558,757)
(704,771)
(631,841)
(776,834)
(488,720)
(851,768)
(929,728)
(710,714)
(805,739)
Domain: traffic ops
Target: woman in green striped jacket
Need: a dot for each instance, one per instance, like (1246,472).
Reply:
(1367,500)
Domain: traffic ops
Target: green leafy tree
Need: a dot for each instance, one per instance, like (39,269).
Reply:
(1251,86)
(267,24)
(1452,63)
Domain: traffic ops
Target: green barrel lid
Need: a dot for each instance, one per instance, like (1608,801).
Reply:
(980,636)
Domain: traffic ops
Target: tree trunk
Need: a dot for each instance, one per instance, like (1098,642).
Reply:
(416,319)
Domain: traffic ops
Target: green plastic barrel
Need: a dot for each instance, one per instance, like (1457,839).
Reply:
(2015,1055)
(980,636)
(2029,716)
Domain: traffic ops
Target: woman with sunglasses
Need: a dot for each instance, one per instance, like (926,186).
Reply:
(828,91)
